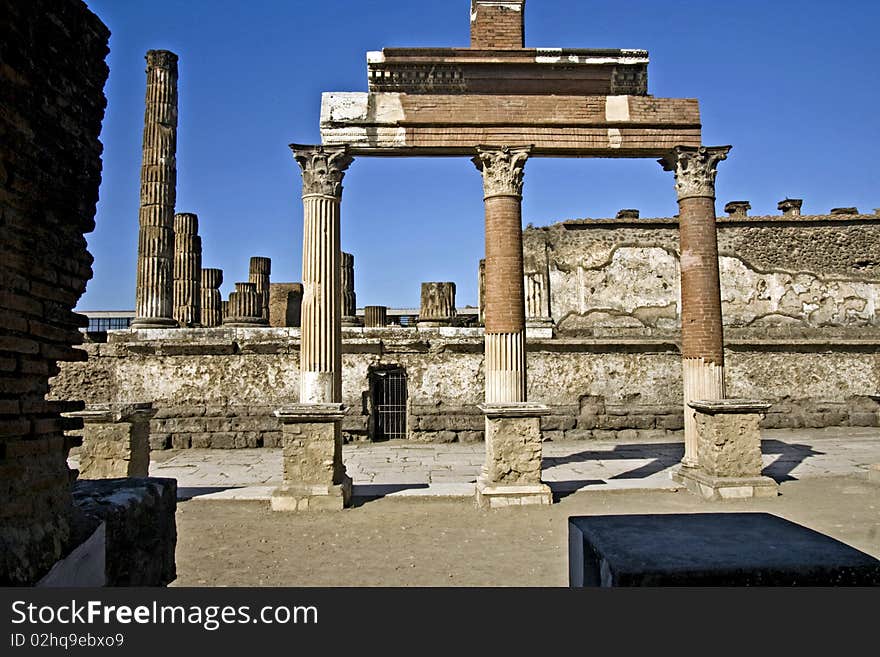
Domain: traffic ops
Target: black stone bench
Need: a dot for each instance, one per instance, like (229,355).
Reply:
(710,549)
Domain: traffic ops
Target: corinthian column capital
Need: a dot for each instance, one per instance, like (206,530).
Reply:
(322,168)
(502,169)
(695,168)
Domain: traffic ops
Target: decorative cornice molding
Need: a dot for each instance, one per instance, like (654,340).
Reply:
(502,168)
(695,168)
(322,168)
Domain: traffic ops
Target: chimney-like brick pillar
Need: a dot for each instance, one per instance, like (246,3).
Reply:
(245,307)
(349,299)
(155,266)
(737,208)
(790,207)
(702,341)
(505,362)
(321,344)
(437,304)
(212,303)
(259,272)
(497,25)
(187,270)
(375,316)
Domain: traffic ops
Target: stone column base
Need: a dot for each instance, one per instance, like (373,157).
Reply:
(874,473)
(512,471)
(312,497)
(724,488)
(496,496)
(116,440)
(540,327)
(350,320)
(314,477)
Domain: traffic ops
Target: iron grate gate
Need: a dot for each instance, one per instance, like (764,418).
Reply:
(389,404)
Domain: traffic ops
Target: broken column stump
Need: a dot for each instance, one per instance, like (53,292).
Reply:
(728,451)
(116,440)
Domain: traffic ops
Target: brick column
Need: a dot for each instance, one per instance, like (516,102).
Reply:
(504,303)
(187,270)
(259,271)
(512,472)
(702,345)
(153,292)
(212,303)
(321,350)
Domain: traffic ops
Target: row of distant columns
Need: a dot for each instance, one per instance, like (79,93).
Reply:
(511,474)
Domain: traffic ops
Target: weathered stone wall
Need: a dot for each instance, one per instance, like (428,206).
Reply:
(802,272)
(52,74)
(219,387)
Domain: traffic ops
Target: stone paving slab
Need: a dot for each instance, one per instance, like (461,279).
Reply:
(401,468)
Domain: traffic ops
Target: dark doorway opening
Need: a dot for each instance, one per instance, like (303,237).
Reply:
(388,403)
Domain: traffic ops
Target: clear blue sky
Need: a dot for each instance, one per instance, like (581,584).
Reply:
(792,85)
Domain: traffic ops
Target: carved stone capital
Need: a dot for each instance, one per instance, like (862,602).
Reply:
(502,169)
(322,168)
(161,59)
(695,168)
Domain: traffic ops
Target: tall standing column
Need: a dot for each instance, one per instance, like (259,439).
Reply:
(187,270)
(349,298)
(512,471)
(321,350)
(153,293)
(259,273)
(212,302)
(504,303)
(314,475)
(702,341)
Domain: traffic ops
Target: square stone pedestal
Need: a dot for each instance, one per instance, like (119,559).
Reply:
(314,477)
(728,451)
(116,440)
(512,471)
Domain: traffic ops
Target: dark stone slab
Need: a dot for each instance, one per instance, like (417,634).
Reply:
(141,527)
(710,549)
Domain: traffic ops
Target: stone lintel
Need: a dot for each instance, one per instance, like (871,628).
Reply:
(742,406)
(725,488)
(514,409)
(310,413)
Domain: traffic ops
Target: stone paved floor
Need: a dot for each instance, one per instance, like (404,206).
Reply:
(405,468)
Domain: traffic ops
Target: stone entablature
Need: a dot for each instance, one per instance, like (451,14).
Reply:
(557,71)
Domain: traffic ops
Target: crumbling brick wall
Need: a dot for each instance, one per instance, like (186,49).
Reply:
(52,74)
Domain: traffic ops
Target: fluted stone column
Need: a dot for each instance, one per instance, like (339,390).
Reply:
(321,351)
(512,471)
(437,304)
(349,298)
(155,266)
(314,475)
(245,307)
(259,272)
(224,310)
(702,342)
(481,291)
(187,270)
(212,302)
(375,316)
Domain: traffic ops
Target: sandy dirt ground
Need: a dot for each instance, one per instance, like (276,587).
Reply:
(447,542)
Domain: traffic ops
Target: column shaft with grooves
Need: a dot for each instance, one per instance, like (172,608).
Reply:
(321,341)
(212,303)
(437,304)
(375,316)
(504,306)
(187,270)
(259,273)
(245,307)
(702,339)
(155,266)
